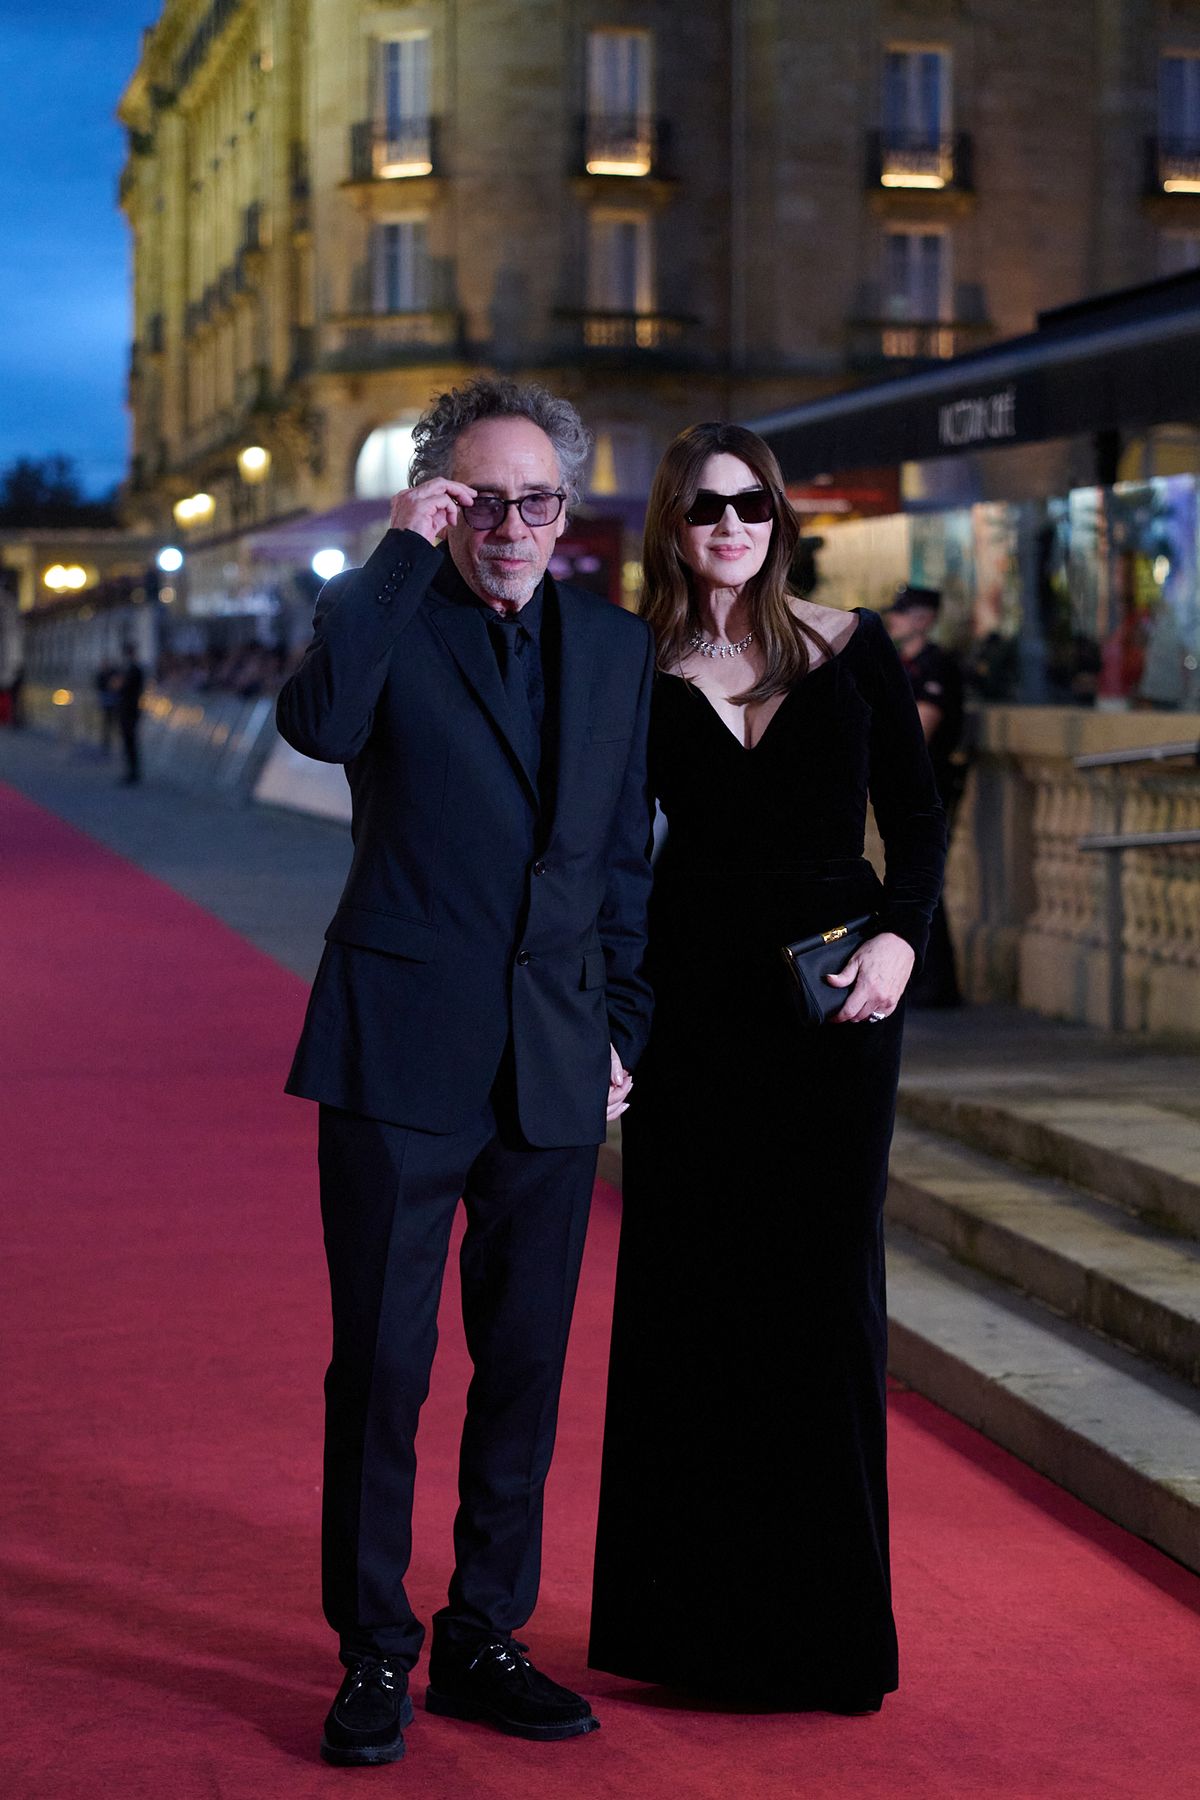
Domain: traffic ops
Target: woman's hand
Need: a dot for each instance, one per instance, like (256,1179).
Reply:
(619,1083)
(430,508)
(877,975)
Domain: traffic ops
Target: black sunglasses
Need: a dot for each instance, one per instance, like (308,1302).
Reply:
(754,507)
(488,510)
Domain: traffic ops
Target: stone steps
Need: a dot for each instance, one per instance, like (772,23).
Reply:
(1143,1157)
(1101,1422)
(1083,1258)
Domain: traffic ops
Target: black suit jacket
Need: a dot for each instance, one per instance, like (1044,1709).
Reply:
(471,910)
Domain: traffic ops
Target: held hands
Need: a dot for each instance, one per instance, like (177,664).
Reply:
(619,1083)
(430,508)
(877,976)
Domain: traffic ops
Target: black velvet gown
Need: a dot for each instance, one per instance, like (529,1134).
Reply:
(743,1532)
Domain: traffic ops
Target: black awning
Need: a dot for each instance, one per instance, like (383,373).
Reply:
(1121,362)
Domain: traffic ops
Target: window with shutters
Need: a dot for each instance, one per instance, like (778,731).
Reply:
(403,131)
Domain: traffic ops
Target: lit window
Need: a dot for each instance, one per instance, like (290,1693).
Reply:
(917,148)
(620,125)
(399,266)
(403,137)
(1179,123)
(383,461)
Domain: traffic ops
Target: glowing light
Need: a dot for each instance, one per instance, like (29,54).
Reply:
(400,171)
(624,165)
(62,697)
(900,179)
(1162,568)
(194,510)
(254,463)
(328,562)
(169,559)
(66,578)
(1181,184)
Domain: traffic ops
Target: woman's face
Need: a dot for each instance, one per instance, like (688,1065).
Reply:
(726,554)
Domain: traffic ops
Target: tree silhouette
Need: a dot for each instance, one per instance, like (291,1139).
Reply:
(45,491)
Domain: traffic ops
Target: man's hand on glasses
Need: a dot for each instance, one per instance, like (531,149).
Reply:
(431,508)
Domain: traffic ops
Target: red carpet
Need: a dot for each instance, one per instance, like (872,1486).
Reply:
(165,1323)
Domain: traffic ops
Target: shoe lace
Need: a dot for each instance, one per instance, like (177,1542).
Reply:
(370,1671)
(506,1654)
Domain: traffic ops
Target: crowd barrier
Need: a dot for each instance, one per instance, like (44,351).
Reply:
(206,743)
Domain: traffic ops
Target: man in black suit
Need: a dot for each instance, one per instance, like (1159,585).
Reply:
(476,1012)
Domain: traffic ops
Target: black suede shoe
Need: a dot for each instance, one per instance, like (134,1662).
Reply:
(364,1724)
(500,1686)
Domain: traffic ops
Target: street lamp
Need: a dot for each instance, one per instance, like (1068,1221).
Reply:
(170,560)
(196,509)
(254,463)
(327,563)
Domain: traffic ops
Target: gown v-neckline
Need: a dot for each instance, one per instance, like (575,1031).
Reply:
(749,749)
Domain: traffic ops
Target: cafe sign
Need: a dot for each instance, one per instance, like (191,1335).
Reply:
(979,419)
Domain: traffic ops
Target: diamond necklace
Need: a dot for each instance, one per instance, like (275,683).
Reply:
(709,647)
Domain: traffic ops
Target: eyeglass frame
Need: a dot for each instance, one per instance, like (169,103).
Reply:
(558,494)
(762,492)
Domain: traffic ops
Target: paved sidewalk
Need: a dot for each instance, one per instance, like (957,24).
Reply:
(276,877)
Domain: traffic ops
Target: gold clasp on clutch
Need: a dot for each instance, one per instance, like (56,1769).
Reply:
(831,937)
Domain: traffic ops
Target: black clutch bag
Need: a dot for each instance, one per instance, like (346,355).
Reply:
(810,959)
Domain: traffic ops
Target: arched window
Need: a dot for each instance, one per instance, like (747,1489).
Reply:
(382,466)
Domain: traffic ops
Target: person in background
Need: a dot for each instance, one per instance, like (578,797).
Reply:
(937,686)
(105,682)
(130,684)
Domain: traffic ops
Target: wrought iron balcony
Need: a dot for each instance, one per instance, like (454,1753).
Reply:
(396,151)
(380,340)
(879,333)
(920,161)
(1172,165)
(623,145)
(602,332)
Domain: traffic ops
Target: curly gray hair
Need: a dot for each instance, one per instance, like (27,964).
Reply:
(491,397)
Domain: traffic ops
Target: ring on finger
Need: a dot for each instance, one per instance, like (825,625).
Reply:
(876,1018)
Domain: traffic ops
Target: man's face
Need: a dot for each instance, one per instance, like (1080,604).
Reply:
(909,626)
(510,458)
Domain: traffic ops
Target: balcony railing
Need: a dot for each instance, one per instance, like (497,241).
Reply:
(622,145)
(396,151)
(920,161)
(382,340)
(879,333)
(646,333)
(1172,165)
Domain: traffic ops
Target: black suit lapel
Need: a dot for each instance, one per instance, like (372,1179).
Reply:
(464,634)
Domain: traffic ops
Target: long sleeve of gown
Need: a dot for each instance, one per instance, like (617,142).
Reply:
(908,811)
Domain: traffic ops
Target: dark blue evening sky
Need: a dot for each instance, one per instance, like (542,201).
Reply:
(65,288)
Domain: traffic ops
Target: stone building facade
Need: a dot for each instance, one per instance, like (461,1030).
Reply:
(668,213)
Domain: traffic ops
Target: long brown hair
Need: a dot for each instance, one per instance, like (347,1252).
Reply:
(668,601)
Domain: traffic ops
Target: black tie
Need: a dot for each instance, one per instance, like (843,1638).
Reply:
(510,638)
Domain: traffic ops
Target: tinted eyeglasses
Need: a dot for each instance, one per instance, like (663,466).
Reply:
(754,507)
(490,510)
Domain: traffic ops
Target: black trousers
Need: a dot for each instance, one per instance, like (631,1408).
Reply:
(388,1199)
(129,743)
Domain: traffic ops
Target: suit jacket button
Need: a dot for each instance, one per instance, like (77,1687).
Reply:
(539,867)
(522,958)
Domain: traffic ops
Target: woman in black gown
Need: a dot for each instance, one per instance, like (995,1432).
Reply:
(743,1536)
